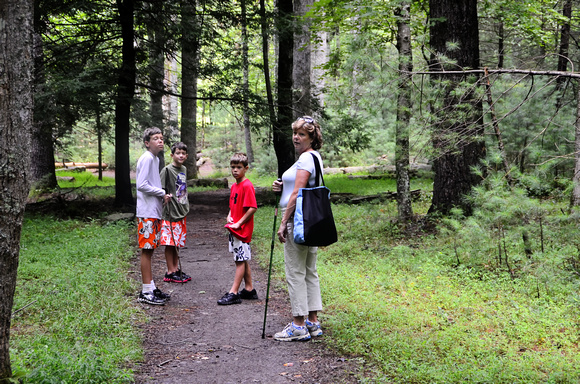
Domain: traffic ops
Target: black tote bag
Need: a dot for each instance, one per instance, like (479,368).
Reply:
(313,220)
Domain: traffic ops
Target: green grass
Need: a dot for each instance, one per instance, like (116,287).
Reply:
(83,179)
(403,304)
(75,321)
(417,308)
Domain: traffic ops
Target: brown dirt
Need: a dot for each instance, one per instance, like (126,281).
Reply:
(194,340)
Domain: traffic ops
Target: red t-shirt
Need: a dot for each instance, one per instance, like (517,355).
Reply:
(242,197)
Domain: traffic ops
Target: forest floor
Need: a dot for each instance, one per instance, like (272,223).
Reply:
(193,340)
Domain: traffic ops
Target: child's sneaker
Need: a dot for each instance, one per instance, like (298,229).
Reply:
(229,298)
(150,298)
(249,295)
(163,296)
(293,333)
(183,275)
(313,328)
(174,277)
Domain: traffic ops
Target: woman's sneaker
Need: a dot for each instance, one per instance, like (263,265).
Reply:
(313,328)
(293,333)
(150,298)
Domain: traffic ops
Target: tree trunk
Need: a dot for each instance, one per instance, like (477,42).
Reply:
(282,129)
(302,61)
(318,76)
(500,45)
(125,93)
(157,75)
(190,62)
(246,86)
(404,105)
(16,110)
(576,178)
(42,169)
(265,49)
(99,141)
(458,137)
(564,41)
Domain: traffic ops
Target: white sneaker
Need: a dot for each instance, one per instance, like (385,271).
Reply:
(313,328)
(293,333)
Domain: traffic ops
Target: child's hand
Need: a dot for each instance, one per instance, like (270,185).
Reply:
(234,226)
(166,198)
(230,220)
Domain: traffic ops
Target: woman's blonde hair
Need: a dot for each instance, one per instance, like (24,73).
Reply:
(312,127)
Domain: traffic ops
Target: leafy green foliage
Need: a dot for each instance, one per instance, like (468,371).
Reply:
(73,321)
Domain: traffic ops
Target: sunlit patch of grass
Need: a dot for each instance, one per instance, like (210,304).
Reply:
(74,319)
(82,179)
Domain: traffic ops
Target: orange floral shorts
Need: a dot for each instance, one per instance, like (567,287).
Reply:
(173,232)
(148,233)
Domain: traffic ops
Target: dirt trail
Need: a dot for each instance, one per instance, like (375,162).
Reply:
(194,340)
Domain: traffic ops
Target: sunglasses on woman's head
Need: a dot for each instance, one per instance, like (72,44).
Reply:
(307,119)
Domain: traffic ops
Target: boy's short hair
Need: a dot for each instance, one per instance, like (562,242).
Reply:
(150,132)
(178,145)
(239,158)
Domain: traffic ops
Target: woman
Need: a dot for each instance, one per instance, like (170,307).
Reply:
(300,260)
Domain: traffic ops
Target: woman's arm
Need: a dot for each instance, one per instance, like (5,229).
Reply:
(301,181)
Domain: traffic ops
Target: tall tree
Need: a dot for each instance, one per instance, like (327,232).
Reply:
(302,60)
(157,72)
(246,84)
(458,137)
(564,40)
(266,61)
(404,105)
(125,93)
(282,132)
(189,68)
(16,118)
(42,174)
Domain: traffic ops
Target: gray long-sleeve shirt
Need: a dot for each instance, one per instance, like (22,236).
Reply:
(149,191)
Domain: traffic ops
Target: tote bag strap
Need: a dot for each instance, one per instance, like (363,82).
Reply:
(317,171)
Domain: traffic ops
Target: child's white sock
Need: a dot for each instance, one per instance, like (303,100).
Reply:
(148,287)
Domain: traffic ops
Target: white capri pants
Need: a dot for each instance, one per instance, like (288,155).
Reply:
(301,275)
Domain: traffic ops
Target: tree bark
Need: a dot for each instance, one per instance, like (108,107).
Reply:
(458,137)
(16,118)
(42,169)
(125,93)
(246,85)
(189,71)
(282,129)
(157,75)
(404,105)
(564,41)
(500,45)
(266,60)
(302,61)
(576,177)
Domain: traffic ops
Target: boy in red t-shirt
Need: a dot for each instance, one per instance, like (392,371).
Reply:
(241,225)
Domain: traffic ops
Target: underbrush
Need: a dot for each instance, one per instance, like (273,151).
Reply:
(441,306)
(73,317)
